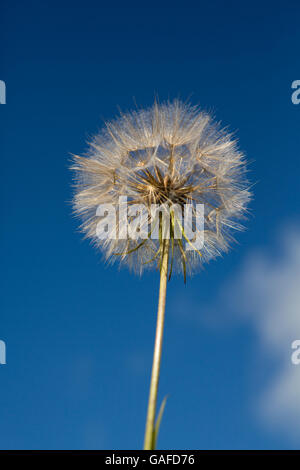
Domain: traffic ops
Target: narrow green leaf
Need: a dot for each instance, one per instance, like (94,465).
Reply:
(172,230)
(183,259)
(158,421)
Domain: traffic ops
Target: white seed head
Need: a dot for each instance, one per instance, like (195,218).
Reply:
(171,153)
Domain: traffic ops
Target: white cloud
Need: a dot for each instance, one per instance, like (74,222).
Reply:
(279,406)
(266,291)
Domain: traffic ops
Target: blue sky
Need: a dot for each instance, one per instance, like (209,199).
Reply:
(79,334)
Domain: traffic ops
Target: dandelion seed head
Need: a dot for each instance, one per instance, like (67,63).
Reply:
(171,153)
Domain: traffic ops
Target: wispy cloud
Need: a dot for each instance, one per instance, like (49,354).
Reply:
(265,293)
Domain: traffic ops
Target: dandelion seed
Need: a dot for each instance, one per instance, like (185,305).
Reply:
(171,154)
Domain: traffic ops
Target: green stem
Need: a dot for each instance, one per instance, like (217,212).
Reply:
(150,421)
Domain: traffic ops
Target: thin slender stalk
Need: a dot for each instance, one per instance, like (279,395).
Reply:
(150,421)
